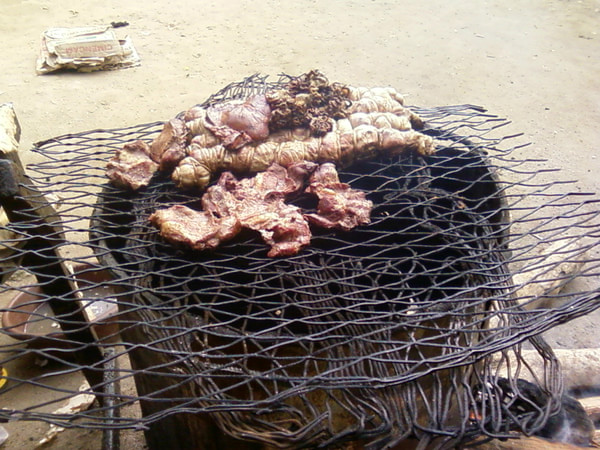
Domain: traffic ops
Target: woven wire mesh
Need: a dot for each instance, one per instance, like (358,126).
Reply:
(402,328)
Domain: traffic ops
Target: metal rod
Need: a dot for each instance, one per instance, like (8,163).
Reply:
(110,435)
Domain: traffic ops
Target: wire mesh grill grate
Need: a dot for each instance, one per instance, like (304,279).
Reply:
(401,328)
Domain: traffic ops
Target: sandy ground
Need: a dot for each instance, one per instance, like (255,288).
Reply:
(535,62)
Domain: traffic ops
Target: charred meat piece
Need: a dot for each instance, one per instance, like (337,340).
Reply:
(131,167)
(340,206)
(259,204)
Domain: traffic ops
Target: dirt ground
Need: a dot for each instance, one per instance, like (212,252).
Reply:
(535,62)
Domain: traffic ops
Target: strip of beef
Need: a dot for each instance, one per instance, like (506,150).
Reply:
(259,204)
(340,206)
(131,167)
(197,230)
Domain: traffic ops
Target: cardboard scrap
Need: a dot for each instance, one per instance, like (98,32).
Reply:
(85,49)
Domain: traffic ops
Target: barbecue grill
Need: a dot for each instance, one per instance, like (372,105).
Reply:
(402,329)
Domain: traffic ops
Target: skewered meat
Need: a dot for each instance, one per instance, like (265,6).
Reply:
(344,145)
(339,206)
(131,167)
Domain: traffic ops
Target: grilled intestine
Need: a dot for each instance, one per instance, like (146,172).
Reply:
(344,145)
(306,119)
(309,119)
(340,207)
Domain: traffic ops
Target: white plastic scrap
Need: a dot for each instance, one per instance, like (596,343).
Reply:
(3,435)
(77,403)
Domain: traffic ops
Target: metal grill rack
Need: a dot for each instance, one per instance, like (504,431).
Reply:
(407,328)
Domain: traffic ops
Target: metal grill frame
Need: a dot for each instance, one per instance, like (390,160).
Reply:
(81,177)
